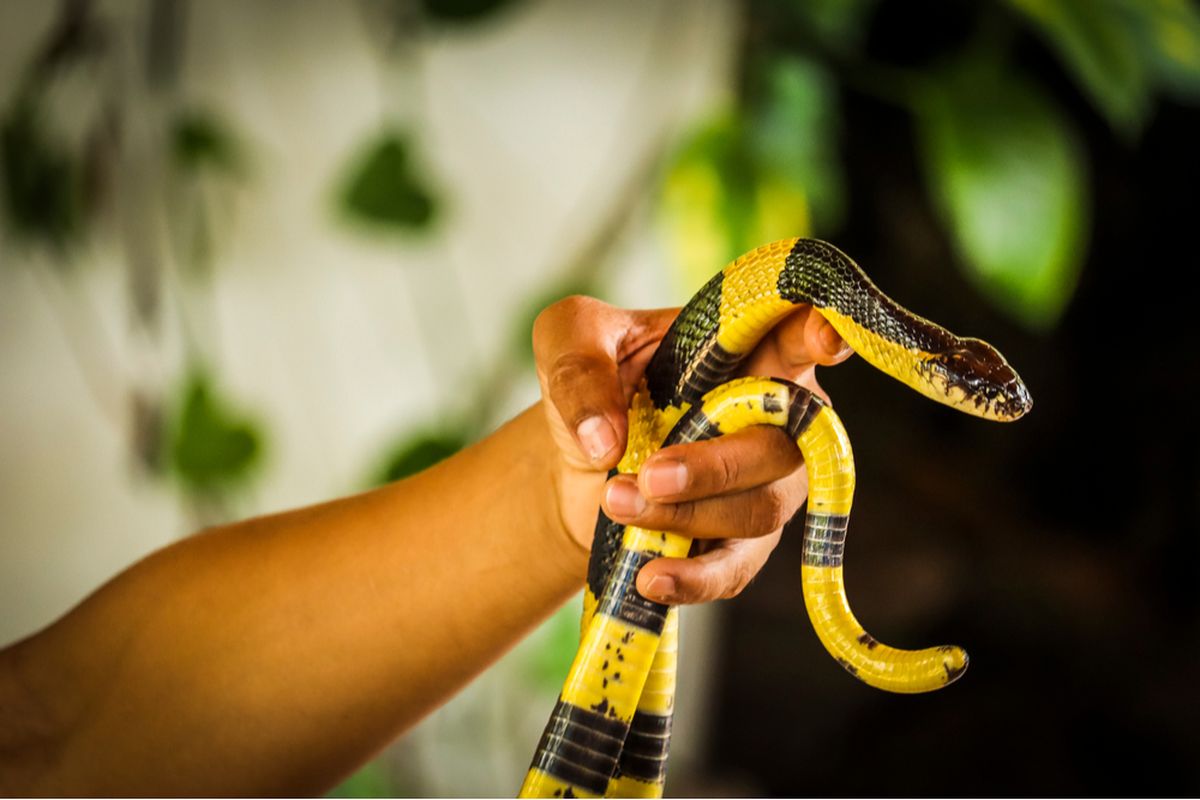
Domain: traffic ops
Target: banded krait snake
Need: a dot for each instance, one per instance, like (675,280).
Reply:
(610,730)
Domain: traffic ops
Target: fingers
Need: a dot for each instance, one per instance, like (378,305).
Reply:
(752,513)
(800,341)
(586,390)
(741,489)
(746,484)
(749,458)
(720,573)
(585,352)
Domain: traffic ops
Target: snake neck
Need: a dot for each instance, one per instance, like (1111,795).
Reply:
(726,319)
(689,362)
(818,273)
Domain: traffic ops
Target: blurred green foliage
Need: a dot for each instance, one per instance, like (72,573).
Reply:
(462,11)
(371,780)
(212,447)
(1122,51)
(202,140)
(384,189)
(550,657)
(793,131)
(43,182)
(721,199)
(1008,176)
(417,452)
(1004,167)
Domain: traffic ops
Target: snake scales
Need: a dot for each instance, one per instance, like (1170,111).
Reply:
(609,733)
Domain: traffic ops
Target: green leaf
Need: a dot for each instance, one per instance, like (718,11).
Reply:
(200,140)
(211,446)
(1008,177)
(462,11)
(794,130)
(384,190)
(419,453)
(1095,40)
(43,191)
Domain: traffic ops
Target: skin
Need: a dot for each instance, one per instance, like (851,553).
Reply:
(276,654)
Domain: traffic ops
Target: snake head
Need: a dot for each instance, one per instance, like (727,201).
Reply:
(975,378)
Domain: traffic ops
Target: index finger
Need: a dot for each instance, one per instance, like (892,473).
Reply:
(585,350)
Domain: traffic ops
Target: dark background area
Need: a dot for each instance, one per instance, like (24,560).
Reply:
(1061,551)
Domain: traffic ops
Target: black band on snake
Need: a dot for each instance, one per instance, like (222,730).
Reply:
(610,730)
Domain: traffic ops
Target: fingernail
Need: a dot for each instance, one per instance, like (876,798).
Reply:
(662,587)
(666,478)
(597,437)
(624,499)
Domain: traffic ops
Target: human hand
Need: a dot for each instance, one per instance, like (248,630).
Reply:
(733,493)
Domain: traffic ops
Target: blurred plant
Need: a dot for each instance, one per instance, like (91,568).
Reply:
(43,182)
(1006,171)
(211,447)
(138,156)
(1008,178)
(1123,51)
(418,452)
(384,191)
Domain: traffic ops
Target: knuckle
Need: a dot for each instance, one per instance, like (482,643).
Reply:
(739,579)
(680,515)
(727,468)
(569,371)
(768,512)
(707,587)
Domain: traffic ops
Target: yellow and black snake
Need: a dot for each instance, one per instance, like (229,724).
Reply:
(610,730)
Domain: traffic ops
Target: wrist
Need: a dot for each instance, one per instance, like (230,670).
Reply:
(554,488)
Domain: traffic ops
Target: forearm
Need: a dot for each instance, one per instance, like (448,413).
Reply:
(275,654)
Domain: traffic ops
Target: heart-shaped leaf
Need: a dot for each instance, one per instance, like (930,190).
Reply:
(384,189)
(211,446)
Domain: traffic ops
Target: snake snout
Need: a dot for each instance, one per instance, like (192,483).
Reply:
(1021,401)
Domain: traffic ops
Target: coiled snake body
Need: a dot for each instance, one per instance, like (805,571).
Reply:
(610,730)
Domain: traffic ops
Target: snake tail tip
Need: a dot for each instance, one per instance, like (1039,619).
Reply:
(955,662)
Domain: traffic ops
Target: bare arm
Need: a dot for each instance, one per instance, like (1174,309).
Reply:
(275,655)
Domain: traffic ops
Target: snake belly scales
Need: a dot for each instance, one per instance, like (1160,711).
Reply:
(610,730)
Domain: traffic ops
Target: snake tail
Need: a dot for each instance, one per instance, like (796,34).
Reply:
(830,462)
